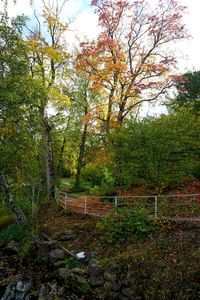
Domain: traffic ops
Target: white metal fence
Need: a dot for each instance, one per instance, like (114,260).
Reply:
(183,206)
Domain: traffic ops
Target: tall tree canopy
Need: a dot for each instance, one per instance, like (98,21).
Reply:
(130,60)
(48,59)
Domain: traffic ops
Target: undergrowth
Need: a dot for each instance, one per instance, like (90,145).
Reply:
(126,224)
(13,232)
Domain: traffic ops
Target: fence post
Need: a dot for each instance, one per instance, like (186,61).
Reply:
(116,204)
(85,205)
(65,201)
(156,207)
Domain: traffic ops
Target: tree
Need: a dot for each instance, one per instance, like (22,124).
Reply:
(81,121)
(130,60)
(188,93)
(85,101)
(157,152)
(48,60)
(17,134)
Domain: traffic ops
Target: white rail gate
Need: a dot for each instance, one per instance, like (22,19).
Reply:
(177,206)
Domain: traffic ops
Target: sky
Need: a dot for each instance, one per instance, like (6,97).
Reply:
(85,26)
(85,22)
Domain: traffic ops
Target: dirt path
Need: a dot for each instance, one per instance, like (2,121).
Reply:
(91,206)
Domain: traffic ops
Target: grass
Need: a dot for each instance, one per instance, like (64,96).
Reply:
(67,181)
(70,184)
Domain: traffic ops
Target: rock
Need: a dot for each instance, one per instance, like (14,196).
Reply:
(78,279)
(115,296)
(126,282)
(93,254)
(79,271)
(44,247)
(43,293)
(96,281)
(47,244)
(75,275)
(94,268)
(68,235)
(109,276)
(63,273)
(17,290)
(115,268)
(56,254)
(95,274)
(50,291)
(53,287)
(12,248)
(116,286)
(107,286)
(126,292)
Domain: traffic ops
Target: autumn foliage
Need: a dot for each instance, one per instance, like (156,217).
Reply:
(130,61)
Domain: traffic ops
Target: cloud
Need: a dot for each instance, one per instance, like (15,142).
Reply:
(85,27)
(21,7)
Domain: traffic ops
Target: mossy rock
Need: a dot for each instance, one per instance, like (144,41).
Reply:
(6,220)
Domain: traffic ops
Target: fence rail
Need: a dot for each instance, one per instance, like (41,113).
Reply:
(180,206)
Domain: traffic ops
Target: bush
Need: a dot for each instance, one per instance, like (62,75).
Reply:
(70,263)
(101,179)
(13,232)
(127,224)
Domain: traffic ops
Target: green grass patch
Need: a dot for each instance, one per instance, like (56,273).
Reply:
(72,188)
(67,181)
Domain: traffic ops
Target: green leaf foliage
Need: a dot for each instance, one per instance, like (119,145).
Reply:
(158,152)
(126,224)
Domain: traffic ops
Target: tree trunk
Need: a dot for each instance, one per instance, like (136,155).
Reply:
(49,161)
(120,116)
(110,104)
(16,211)
(81,154)
(61,157)
(62,148)
(108,116)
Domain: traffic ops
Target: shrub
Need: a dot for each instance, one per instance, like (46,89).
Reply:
(13,232)
(69,262)
(101,179)
(127,224)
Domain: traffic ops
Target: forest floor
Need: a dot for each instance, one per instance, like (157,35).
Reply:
(165,265)
(170,257)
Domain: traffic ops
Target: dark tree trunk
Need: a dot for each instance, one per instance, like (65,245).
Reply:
(49,161)
(62,148)
(120,116)
(16,211)
(61,156)
(108,118)
(81,155)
